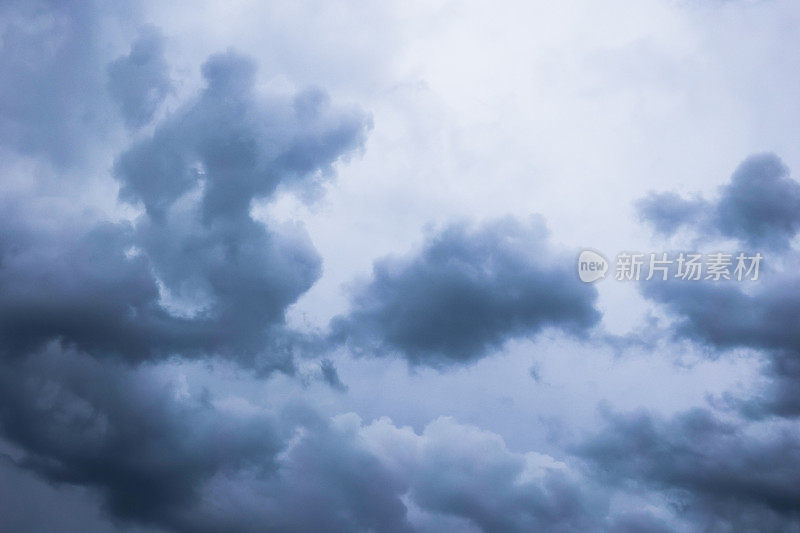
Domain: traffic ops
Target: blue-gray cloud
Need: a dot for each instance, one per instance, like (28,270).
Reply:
(89,309)
(194,275)
(467,291)
(237,146)
(760,207)
(166,458)
(80,421)
(140,81)
(53,102)
(105,288)
(668,211)
(722,475)
(725,316)
(331,376)
(725,470)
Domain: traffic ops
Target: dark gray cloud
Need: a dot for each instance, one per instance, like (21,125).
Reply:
(722,471)
(77,284)
(331,376)
(721,476)
(163,457)
(196,274)
(468,290)
(193,275)
(237,146)
(760,207)
(140,81)
(725,316)
(639,522)
(160,457)
(85,422)
(328,479)
(82,298)
(34,505)
(343,475)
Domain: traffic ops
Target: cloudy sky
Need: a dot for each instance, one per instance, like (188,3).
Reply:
(312,266)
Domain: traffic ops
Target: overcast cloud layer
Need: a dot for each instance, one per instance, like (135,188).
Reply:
(312,267)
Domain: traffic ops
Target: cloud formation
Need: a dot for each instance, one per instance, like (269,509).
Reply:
(723,475)
(733,467)
(101,305)
(163,457)
(140,81)
(195,274)
(93,423)
(468,290)
(760,207)
(727,316)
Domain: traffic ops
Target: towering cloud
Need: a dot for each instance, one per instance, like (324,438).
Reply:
(468,290)
(196,274)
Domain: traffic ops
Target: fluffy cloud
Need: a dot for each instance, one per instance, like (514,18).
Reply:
(81,421)
(464,471)
(195,274)
(760,206)
(348,476)
(161,456)
(726,316)
(732,469)
(100,304)
(468,290)
(723,474)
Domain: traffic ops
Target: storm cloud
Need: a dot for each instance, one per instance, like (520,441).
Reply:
(465,292)
(760,207)
(732,466)
(722,474)
(93,423)
(161,456)
(195,274)
(183,192)
(727,316)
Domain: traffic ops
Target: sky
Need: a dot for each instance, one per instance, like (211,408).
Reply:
(313,266)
